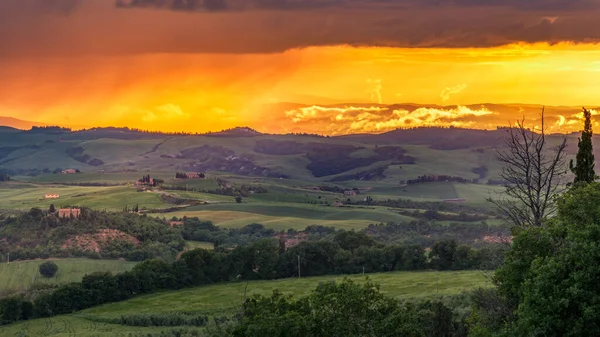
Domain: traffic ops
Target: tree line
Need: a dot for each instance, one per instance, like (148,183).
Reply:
(265,259)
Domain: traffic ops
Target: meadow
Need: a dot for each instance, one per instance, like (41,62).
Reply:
(21,275)
(222,298)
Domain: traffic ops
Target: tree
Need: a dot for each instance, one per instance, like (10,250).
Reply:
(584,167)
(442,254)
(532,170)
(559,292)
(51,209)
(48,269)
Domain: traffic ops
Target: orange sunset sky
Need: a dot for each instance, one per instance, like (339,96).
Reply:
(206,65)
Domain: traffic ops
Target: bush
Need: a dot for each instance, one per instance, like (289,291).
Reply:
(48,269)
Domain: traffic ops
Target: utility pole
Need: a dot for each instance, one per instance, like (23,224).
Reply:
(298,266)
(8,258)
(363,270)
(437,283)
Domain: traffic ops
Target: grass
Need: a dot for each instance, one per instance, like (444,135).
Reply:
(227,296)
(21,275)
(233,219)
(282,216)
(71,326)
(224,296)
(198,244)
(18,196)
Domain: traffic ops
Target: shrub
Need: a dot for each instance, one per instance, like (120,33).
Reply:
(48,269)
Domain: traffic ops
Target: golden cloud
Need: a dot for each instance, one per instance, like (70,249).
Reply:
(351,119)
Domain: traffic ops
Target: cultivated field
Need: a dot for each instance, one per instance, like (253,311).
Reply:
(224,297)
(21,275)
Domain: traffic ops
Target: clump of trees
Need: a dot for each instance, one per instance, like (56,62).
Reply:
(346,308)
(48,269)
(432,178)
(4,177)
(548,283)
(42,234)
(183,175)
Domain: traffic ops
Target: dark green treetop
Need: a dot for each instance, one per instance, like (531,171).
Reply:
(584,166)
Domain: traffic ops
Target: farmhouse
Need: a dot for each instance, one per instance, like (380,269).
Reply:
(69,212)
(69,171)
(350,193)
(176,223)
(337,204)
(194,175)
(51,196)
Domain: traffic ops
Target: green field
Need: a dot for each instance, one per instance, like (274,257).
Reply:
(283,216)
(224,297)
(198,244)
(21,275)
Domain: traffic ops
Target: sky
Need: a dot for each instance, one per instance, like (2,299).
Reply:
(351,65)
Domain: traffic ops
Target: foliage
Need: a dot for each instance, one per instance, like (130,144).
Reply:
(40,234)
(548,285)
(584,167)
(344,309)
(48,269)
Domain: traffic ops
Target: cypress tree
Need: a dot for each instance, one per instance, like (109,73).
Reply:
(584,167)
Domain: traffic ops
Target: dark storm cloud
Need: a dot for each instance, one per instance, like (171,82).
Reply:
(229,5)
(76,27)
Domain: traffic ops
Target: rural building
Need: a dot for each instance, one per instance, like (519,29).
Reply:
(69,171)
(69,212)
(51,196)
(176,223)
(337,204)
(350,193)
(194,175)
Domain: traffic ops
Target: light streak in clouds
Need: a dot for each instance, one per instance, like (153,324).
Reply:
(448,91)
(338,120)
(165,112)
(375,90)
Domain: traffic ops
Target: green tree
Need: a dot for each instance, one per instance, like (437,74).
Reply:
(549,279)
(442,254)
(52,209)
(584,166)
(48,269)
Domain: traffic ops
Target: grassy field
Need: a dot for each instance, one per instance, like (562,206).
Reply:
(18,196)
(22,274)
(224,297)
(283,216)
(233,219)
(198,244)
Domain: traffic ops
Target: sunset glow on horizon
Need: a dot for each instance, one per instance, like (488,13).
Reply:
(183,89)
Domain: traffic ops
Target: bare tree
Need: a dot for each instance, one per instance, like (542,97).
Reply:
(533,171)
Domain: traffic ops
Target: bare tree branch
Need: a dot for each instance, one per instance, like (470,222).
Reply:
(533,172)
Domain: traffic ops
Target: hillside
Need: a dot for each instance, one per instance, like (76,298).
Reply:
(216,299)
(20,275)
(394,156)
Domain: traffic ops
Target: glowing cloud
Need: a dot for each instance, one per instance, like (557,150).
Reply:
(337,120)
(445,95)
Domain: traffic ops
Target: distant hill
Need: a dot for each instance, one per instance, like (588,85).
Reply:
(18,123)
(395,156)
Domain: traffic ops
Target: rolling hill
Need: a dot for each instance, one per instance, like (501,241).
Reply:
(393,156)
